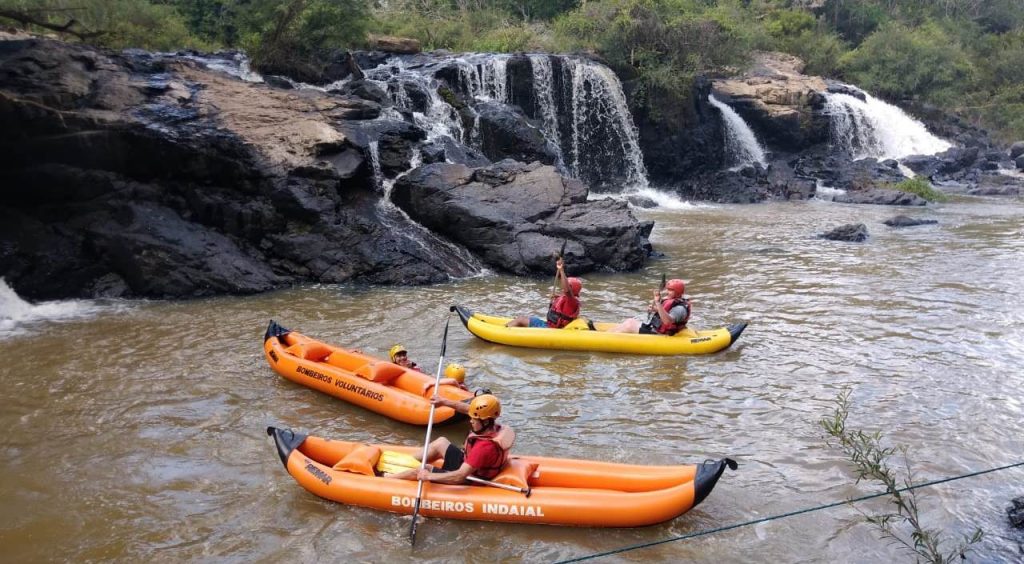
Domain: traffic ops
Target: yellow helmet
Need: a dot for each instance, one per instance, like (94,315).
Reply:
(455,371)
(484,406)
(395,350)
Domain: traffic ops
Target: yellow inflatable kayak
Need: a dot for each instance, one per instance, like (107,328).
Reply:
(579,336)
(554,491)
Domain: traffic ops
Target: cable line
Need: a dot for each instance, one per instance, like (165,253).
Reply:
(784,515)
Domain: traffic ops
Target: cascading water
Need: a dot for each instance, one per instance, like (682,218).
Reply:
(873,128)
(740,142)
(544,97)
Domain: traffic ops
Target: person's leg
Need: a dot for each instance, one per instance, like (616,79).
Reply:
(523,321)
(631,325)
(437,448)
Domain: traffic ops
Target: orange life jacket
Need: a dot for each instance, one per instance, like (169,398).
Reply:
(502,437)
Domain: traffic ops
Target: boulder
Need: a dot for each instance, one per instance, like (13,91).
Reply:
(1019,161)
(366,90)
(1015,512)
(998,185)
(278,82)
(1017,149)
(881,197)
(904,221)
(853,232)
(515,216)
(505,132)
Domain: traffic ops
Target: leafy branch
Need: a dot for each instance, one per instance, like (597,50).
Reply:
(870,461)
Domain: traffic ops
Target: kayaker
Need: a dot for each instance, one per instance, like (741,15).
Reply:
(484,454)
(668,315)
(564,306)
(400,356)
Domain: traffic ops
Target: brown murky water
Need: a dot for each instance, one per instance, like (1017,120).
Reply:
(135,431)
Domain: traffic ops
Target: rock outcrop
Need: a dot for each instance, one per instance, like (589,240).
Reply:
(140,175)
(853,232)
(778,101)
(904,221)
(515,216)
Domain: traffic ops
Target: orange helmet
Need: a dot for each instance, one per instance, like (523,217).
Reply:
(484,406)
(676,286)
(575,284)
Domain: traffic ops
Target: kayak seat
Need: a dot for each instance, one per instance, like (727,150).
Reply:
(381,371)
(309,351)
(516,473)
(360,461)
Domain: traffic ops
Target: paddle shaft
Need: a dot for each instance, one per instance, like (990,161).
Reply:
(430,427)
(524,491)
(554,283)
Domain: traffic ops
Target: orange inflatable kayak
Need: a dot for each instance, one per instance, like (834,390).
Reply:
(558,491)
(378,385)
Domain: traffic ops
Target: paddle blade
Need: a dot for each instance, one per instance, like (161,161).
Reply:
(663,282)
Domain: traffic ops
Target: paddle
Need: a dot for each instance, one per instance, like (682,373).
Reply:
(654,303)
(554,283)
(430,427)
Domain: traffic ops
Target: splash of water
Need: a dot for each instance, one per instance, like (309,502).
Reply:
(875,129)
(17,314)
(740,142)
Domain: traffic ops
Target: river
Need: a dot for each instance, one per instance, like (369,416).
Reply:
(135,430)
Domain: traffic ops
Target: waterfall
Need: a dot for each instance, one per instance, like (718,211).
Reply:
(16,313)
(740,143)
(873,128)
(434,116)
(378,176)
(603,142)
(544,96)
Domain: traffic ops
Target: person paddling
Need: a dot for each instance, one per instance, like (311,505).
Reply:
(668,315)
(484,454)
(564,307)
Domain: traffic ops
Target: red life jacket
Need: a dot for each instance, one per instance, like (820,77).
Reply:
(670,328)
(502,437)
(562,311)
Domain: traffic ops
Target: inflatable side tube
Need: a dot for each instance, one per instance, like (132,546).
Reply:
(708,474)
(286,441)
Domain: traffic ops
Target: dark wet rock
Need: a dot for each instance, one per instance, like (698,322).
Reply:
(353,108)
(446,149)
(366,90)
(505,132)
(370,59)
(784,183)
(853,232)
(728,186)
(1017,149)
(1019,162)
(641,202)
(880,197)
(278,82)
(998,185)
(905,221)
(516,215)
(840,171)
(1015,512)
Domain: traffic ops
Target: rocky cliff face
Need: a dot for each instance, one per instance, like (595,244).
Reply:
(780,102)
(131,174)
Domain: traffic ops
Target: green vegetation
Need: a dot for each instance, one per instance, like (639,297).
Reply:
(963,55)
(921,187)
(870,460)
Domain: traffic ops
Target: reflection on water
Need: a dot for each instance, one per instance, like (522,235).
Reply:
(135,430)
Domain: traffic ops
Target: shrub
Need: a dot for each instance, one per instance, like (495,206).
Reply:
(921,187)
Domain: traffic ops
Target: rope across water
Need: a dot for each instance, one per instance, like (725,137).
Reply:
(784,515)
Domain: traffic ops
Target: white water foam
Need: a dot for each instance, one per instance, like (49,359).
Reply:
(664,200)
(874,129)
(740,142)
(18,316)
